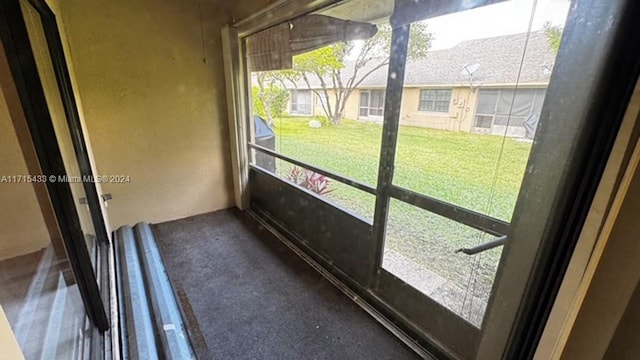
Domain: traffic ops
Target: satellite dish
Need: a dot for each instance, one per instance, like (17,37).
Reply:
(470,69)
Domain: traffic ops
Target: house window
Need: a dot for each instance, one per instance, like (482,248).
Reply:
(435,100)
(371,103)
(301,102)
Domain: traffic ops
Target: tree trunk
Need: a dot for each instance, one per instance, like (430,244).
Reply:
(266,103)
(267,111)
(336,118)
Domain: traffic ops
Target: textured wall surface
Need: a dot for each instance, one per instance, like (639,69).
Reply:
(456,119)
(154,109)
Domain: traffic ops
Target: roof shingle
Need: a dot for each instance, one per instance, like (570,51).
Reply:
(499,58)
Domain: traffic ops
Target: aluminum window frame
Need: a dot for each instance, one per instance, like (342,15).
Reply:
(497,339)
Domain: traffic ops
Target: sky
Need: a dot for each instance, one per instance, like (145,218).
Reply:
(505,18)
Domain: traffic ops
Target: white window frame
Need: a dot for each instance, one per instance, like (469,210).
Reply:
(368,106)
(435,100)
(297,104)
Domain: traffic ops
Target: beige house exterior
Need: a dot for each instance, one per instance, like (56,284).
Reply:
(472,87)
(463,109)
(316,109)
(455,119)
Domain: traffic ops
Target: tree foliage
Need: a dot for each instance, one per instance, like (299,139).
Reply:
(269,97)
(554,35)
(328,66)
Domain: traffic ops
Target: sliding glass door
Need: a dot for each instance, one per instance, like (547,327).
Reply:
(62,314)
(78,180)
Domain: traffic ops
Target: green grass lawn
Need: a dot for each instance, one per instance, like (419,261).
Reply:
(478,172)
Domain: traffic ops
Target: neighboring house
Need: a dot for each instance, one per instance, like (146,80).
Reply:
(301,103)
(440,93)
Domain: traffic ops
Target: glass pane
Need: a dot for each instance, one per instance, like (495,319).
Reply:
(358,202)
(420,248)
(364,99)
(448,156)
(58,116)
(442,106)
(487,101)
(377,99)
(301,102)
(39,297)
(343,133)
(473,156)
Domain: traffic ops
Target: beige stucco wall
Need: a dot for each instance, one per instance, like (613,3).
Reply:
(155,111)
(459,117)
(316,108)
(22,227)
(351,108)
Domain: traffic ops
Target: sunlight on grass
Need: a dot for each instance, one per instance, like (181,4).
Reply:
(457,167)
(479,172)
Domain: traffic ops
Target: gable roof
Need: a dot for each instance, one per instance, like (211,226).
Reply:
(499,59)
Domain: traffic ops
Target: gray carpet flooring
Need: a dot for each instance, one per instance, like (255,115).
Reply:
(247,296)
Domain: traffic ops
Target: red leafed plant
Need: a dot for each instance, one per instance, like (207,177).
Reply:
(309,180)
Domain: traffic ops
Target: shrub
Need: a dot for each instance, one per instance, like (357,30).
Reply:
(310,180)
(271,103)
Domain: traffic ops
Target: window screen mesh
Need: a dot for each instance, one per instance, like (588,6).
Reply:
(509,109)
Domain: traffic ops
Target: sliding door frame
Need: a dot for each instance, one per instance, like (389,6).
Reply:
(519,305)
(61,69)
(15,40)
(570,151)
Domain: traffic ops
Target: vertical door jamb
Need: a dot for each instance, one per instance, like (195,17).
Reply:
(390,128)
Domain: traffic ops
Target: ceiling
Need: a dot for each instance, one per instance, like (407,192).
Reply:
(361,10)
